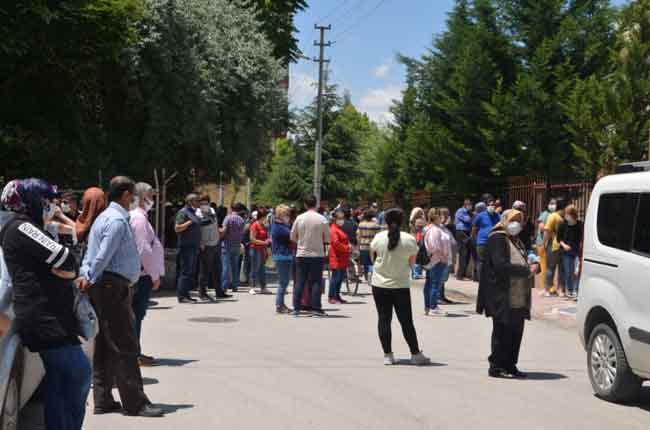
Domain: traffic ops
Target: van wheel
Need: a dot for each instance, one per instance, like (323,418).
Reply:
(609,372)
(11,406)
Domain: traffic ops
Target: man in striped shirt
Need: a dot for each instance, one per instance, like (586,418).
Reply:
(366,232)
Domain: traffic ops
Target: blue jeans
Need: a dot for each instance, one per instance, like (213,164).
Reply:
(308,268)
(284,273)
(338,276)
(258,267)
(188,256)
(141,296)
(432,285)
(66,386)
(366,262)
(416,271)
(568,267)
(230,268)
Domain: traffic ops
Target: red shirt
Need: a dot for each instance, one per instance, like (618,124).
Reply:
(259,232)
(339,248)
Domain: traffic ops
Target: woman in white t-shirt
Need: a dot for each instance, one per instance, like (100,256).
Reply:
(394,254)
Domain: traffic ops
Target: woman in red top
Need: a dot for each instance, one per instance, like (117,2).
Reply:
(260,241)
(339,257)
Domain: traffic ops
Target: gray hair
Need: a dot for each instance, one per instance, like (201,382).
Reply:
(190,197)
(142,189)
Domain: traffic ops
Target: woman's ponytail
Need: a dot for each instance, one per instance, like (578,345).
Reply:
(394,218)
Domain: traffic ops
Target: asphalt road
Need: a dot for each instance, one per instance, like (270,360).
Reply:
(236,365)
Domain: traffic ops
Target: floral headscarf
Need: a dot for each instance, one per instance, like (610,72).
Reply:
(28,196)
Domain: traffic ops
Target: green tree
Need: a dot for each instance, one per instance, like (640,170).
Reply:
(285,182)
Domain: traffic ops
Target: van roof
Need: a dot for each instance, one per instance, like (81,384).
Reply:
(624,182)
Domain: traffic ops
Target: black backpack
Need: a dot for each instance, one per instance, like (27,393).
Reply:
(422,258)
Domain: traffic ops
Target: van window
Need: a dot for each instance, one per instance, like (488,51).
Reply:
(616,219)
(642,230)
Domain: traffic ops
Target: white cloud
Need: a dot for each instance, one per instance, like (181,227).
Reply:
(302,89)
(377,102)
(382,71)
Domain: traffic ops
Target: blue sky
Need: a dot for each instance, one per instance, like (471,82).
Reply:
(367,35)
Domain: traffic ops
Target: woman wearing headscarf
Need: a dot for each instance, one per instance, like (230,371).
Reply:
(504,294)
(417,223)
(93,203)
(42,273)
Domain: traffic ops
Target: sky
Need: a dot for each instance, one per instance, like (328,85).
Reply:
(367,35)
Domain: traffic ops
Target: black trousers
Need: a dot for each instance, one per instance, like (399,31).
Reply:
(399,298)
(464,242)
(116,346)
(506,343)
(210,268)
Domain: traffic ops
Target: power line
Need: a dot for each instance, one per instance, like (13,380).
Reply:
(348,12)
(338,38)
(334,10)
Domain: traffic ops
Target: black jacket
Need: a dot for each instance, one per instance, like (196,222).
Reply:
(494,287)
(43,302)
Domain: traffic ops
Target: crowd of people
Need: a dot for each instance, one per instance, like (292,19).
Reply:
(56,248)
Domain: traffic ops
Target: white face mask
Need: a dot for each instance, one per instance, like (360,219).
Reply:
(65,208)
(148,205)
(205,209)
(514,228)
(552,207)
(340,222)
(491,209)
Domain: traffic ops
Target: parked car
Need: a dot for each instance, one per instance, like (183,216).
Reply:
(614,302)
(21,371)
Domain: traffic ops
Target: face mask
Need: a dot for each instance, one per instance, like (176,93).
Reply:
(135,203)
(570,220)
(205,209)
(65,208)
(514,228)
(340,222)
(468,207)
(552,207)
(491,209)
(148,205)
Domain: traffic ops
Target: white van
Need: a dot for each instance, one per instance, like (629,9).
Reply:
(614,303)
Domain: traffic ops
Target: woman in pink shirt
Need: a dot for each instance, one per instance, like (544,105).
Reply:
(438,244)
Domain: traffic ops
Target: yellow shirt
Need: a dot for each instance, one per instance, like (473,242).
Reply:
(553,225)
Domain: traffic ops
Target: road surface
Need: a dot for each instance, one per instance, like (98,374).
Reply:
(236,365)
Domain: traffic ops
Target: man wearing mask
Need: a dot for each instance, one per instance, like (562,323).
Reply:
(152,256)
(188,231)
(111,265)
(481,227)
(210,254)
(552,248)
(463,222)
(539,238)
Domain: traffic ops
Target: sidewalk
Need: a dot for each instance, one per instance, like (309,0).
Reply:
(555,309)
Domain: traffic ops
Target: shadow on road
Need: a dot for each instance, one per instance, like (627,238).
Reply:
(173,362)
(170,409)
(452,315)
(213,320)
(644,400)
(160,308)
(407,362)
(545,376)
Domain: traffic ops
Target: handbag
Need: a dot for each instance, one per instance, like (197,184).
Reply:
(88,324)
(422,258)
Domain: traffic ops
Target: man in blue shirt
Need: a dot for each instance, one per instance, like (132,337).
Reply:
(110,267)
(463,223)
(481,228)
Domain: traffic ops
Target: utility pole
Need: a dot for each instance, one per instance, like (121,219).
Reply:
(319,143)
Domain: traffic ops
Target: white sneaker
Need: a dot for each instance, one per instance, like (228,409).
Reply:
(420,359)
(252,292)
(437,312)
(389,359)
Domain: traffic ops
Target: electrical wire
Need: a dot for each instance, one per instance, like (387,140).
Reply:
(333,11)
(348,12)
(339,37)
